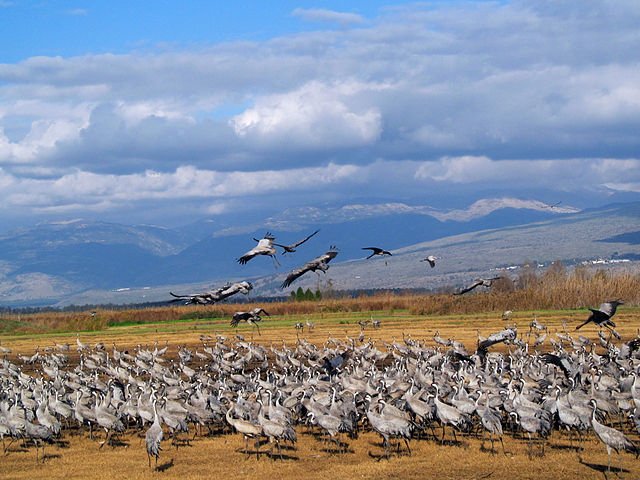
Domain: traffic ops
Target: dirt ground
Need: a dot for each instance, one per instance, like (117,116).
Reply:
(221,455)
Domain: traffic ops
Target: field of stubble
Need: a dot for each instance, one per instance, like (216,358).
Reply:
(220,455)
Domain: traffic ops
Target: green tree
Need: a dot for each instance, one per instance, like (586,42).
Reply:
(300,294)
(308,295)
(318,295)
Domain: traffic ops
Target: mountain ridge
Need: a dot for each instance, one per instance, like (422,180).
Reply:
(66,255)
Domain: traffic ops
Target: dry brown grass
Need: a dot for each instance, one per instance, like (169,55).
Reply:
(555,289)
(220,455)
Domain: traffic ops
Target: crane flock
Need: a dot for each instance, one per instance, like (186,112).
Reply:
(402,391)
(266,246)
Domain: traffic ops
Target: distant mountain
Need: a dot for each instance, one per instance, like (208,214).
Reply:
(24,243)
(74,261)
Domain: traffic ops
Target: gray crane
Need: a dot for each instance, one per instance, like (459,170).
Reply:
(46,419)
(449,415)
(81,346)
(275,430)
(109,422)
(252,318)
(292,248)
(213,296)
(331,425)
(491,420)
(247,429)
(39,434)
(484,282)
(175,420)
(533,425)
(62,347)
(153,437)
(571,418)
(431,259)
(612,438)
(318,263)
(376,251)
(602,316)
(264,247)
(84,414)
(389,425)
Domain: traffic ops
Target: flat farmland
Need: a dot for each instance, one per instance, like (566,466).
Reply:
(221,454)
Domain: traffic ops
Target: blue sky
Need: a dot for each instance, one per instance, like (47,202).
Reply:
(166,112)
(67,29)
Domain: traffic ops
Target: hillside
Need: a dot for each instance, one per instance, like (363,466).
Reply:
(581,237)
(83,262)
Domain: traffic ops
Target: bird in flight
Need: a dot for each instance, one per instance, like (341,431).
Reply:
(252,318)
(431,259)
(602,316)
(485,282)
(376,251)
(213,296)
(264,247)
(318,263)
(292,248)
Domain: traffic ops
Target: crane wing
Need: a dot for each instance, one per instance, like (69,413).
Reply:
(317,263)
(178,298)
(470,287)
(248,256)
(295,274)
(302,241)
(326,257)
(609,308)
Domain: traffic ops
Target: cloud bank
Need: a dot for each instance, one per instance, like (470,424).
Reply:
(456,98)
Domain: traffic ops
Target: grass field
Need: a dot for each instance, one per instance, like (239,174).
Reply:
(220,455)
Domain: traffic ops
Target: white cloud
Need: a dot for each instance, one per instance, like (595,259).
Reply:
(80,190)
(455,96)
(624,187)
(561,174)
(314,116)
(330,16)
